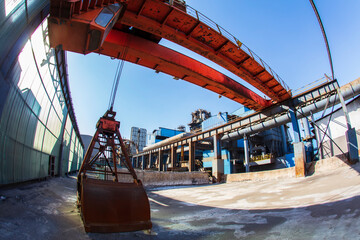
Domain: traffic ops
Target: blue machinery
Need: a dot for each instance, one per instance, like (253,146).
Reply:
(300,106)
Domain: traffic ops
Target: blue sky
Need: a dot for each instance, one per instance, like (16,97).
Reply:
(283,33)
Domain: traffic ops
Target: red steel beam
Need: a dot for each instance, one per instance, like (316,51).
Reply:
(149,54)
(163,20)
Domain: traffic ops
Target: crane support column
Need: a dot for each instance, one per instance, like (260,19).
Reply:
(160,160)
(182,153)
(299,148)
(295,124)
(191,156)
(150,160)
(283,138)
(350,134)
(143,162)
(173,157)
(299,155)
(133,161)
(247,154)
(307,140)
(305,122)
(217,163)
(317,136)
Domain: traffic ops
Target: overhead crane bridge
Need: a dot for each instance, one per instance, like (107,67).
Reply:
(109,27)
(131,30)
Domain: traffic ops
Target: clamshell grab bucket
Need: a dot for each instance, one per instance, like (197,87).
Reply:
(109,206)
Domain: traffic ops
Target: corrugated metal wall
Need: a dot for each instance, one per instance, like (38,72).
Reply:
(34,123)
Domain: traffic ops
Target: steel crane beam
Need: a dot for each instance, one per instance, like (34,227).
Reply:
(162,59)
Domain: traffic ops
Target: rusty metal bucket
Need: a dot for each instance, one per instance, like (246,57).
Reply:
(109,206)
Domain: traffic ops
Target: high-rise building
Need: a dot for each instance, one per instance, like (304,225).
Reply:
(138,137)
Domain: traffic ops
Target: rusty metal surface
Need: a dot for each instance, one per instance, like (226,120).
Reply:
(217,45)
(149,54)
(106,204)
(109,206)
(153,20)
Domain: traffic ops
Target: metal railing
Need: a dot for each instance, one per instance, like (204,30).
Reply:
(214,26)
(309,86)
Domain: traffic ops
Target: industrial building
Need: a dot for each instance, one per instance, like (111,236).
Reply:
(264,147)
(235,165)
(39,136)
(331,129)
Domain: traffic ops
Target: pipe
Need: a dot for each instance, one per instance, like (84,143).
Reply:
(283,139)
(306,127)
(348,91)
(164,142)
(246,153)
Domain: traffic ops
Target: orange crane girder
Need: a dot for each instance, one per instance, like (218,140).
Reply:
(162,59)
(176,25)
(74,26)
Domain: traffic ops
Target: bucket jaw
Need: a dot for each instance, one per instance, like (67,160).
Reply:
(110,202)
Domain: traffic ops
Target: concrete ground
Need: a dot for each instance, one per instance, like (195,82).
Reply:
(321,206)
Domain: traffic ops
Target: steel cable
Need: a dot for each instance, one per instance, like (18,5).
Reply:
(117,77)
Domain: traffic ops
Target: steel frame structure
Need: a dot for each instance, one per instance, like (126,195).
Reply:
(305,104)
(110,205)
(74,26)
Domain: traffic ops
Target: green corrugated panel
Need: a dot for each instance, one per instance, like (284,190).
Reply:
(14,116)
(65,153)
(56,150)
(8,164)
(70,161)
(6,111)
(48,142)
(2,157)
(34,163)
(30,131)
(22,135)
(76,159)
(18,162)
(23,125)
(44,166)
(26,169)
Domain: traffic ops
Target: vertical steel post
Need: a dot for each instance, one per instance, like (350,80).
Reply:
(246,154)
(150,160)
(350,134)
(173,157)
(191,156)
(217,163)
(160,160)
(182,153)
(164,163)
(299,149)
(299,155)
(317,136)
(295,125)
(308,140)
(143,162)
(306,128)
(283,139)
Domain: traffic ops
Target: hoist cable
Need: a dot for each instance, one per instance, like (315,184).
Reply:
(113,85)
(117,77)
